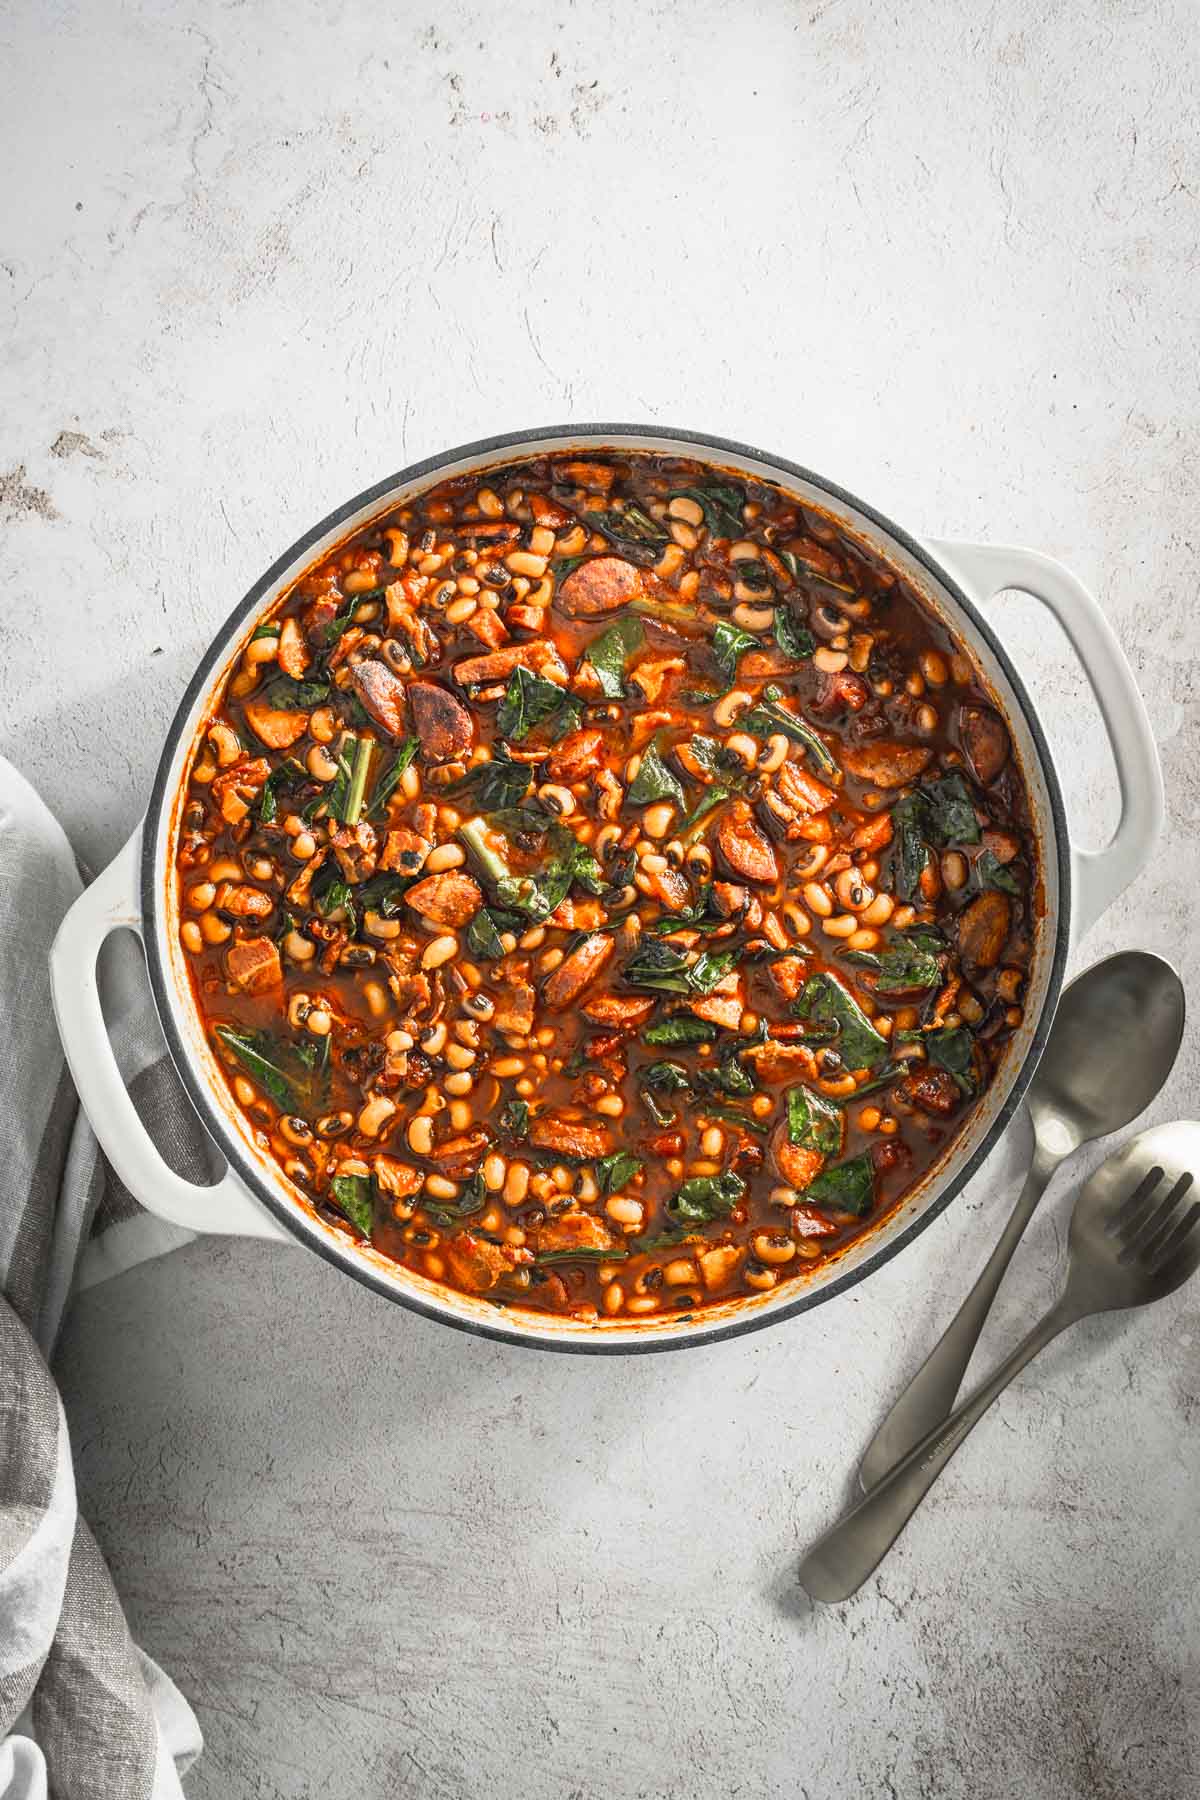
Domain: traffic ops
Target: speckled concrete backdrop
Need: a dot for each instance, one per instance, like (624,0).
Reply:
(252,258)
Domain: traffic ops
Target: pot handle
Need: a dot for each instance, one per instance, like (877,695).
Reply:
(1097,876)
(110,904)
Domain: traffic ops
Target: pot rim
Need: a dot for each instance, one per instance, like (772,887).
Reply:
(282,1208)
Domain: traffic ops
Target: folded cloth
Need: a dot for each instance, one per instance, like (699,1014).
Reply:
(84,1714)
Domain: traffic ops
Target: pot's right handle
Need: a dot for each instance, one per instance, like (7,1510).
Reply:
(1097,876)
(110,904)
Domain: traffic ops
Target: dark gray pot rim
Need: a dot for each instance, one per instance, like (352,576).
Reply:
(162,796)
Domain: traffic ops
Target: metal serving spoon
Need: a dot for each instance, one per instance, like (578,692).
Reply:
(1111,1047)
(1135,1237)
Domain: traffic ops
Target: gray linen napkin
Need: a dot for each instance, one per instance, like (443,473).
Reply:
(84,1714)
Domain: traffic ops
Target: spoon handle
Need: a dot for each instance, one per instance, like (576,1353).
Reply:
(839,1563)
(930,1394)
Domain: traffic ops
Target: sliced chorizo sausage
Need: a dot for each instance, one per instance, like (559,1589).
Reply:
(599,585)
(985,739)
(886,764)
(983,930)
(442,723)
(572,975)
(743,846)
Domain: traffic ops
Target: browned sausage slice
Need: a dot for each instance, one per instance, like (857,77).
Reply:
(599,585)
(885,764)
(744,847)
(451,898)
(983,929)
(570,1137)
(985,740)
(933,1090)
(381,693)
(442,723)
(583,965)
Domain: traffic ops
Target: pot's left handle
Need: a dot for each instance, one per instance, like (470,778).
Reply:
(110,904)
(1098,876)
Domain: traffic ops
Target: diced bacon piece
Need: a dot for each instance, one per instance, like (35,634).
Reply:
(651,677)
(807,1222)
(515,1004)
(404,851)
(398,1179)
(876,834)
(570,1137)
(275,726)
(451,898)
(477,1264)
(933,1090)
(787,974)
(774,1061)
(669,888)
(254,965)
(237,788)
(568,981)
(459,1157)
(488,627)
(577,1231)
(719,1009)
(719,1265)
(802,791)
(730,900)
(243,901)
(886,764)
(619,1011)
(355,847)
(576,757)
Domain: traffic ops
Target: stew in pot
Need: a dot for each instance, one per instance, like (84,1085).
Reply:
(606,886)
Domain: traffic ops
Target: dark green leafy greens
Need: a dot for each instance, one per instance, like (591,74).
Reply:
(483,933)
(824,998)
(286,1071)
(814,1123)
(904,966)
(388,782)
(513,1118)
(989,871)
(910,853)
(528,701)
(631,529)
(668,1077)
(609,654)
(847,1187)
(352,1193)
(950,810)
(681,1029)
(952,1048)
(729,643)
(499,784)
(299,696)
(654,781)
(793,639)
(768,717)
(706,1197)
(721,503)
(612,1172)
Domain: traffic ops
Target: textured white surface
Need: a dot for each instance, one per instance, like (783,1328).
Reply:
(254,257)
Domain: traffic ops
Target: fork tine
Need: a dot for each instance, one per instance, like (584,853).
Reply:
(1172,1243)
(1129,1209)
(1152,1240)
(1137,1240)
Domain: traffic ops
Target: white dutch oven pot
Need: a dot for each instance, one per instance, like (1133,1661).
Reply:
(255,1199)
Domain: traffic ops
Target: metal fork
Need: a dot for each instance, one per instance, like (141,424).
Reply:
(1134,1238)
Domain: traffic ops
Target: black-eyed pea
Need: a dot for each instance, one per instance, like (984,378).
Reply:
(757,1275)
(440,1187)
(614,1298)
(420,1134)
(772,1247)
(296,1131)
(516,1183)
(640,1303)
(214,930)
(842,925)
(190,937)
(680,1272)
(625,1211)
(375,1115)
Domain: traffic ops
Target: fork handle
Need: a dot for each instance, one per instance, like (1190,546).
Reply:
(930,1394)
(839,1563)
